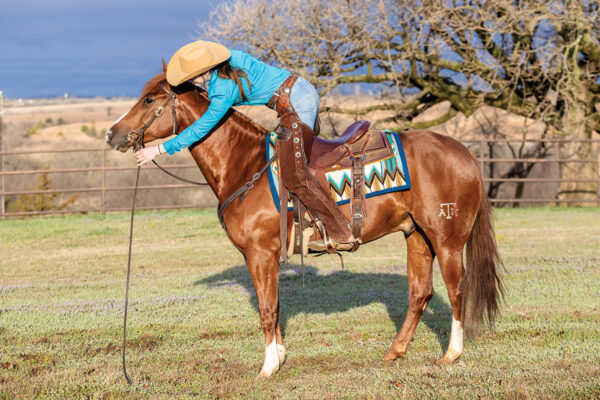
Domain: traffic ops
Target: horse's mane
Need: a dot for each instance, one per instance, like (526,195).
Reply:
(240,118)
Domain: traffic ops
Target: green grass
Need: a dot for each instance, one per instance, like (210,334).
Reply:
(194,328)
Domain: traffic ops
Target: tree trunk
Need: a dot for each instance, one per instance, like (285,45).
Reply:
(576,127)
(519,193)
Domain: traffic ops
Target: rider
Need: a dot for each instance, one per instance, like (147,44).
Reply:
(233,77)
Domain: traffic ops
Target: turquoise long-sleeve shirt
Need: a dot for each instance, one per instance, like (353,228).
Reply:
(224,93)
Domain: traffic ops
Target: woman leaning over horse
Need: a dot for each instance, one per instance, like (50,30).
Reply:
(233,77)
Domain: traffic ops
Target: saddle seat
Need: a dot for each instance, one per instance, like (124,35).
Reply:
(357,141)
(326,153)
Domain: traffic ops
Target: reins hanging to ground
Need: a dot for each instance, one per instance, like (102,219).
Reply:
(137,138)
(137,178)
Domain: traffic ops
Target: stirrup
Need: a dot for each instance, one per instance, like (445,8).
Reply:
(327,245)
(319,246)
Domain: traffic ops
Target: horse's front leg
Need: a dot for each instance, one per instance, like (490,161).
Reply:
(264,268)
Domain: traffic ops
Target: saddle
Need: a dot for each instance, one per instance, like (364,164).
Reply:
(357,140)
(325,153)
(357,146)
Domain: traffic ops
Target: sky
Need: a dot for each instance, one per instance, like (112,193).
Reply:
(89,48)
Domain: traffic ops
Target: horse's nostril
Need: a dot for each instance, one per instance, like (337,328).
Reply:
(108,135)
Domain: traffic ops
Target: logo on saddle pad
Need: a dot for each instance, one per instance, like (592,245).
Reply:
(383,176)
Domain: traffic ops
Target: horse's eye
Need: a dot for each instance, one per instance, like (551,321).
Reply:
(148,100)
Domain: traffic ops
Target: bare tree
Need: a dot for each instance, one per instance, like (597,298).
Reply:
(536,59)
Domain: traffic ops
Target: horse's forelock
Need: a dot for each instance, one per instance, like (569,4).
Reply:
(153,83)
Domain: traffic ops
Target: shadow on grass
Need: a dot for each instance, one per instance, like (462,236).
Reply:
(339,292)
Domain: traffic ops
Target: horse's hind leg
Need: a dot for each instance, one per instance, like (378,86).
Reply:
(451,265)
(264,268)
(420,291)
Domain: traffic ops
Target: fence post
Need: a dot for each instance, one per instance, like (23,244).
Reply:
(103,151)
(481,143)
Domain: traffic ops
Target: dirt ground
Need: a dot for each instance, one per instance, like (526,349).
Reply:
(194,331)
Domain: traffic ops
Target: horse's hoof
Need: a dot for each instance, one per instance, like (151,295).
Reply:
(267,373)
(448,359)
(391,356)
(281,354)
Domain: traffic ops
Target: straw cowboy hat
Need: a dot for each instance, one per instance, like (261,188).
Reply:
(194,59)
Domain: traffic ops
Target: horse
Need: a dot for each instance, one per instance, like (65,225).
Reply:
(443,174)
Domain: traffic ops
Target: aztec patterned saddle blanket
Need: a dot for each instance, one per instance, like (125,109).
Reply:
(379,154)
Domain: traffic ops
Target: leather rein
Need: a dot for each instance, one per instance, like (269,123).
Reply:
(136,137)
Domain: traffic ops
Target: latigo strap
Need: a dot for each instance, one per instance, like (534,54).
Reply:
(358,208)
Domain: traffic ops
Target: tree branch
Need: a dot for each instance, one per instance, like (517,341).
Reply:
(590,48)
(451,113)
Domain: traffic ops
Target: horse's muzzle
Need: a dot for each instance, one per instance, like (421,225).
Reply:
(109,135)
(117,142)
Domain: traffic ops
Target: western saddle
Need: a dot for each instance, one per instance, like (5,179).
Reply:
(357,146)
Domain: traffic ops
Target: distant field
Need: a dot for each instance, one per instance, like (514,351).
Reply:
(194,327)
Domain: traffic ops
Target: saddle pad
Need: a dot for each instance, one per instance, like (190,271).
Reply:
(381,177)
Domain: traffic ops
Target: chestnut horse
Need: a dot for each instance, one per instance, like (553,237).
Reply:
(445,208)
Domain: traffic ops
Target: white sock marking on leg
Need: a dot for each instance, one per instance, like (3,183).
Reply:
(456,337)
(271,358)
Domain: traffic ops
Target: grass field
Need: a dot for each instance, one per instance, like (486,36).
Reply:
(194,327)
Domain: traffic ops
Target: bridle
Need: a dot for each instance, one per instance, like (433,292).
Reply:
(137,136)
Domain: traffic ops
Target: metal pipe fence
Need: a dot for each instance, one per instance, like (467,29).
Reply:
(477,147)
(485,161)
(101,190)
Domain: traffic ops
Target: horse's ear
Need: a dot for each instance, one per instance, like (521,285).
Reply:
(164,65)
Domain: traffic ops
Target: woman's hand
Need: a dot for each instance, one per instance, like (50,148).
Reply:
(146,154)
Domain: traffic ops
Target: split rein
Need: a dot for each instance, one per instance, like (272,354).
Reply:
(137,139)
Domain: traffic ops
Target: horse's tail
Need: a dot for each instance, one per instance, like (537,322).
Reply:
(481,286)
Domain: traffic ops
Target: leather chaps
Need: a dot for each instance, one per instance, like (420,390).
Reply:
(294,147)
